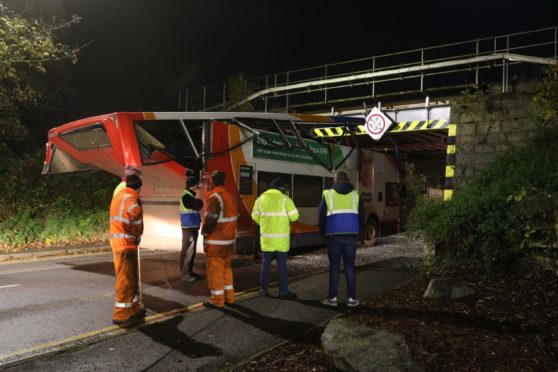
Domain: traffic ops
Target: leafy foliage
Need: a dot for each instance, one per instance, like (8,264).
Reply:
(506,210)
(547,99)
(500,213)
(414,186)
(238,88)
(38,210)
(28,49)
(33,72)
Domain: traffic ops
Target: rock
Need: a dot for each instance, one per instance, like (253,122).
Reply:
(356,347)
(447,289)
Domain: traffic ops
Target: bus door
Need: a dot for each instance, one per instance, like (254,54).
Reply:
(247,190)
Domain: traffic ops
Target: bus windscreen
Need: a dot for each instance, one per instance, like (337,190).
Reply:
(165,140)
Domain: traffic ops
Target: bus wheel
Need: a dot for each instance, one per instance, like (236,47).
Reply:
(371,231)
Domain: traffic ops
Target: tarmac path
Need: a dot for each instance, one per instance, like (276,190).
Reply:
(52,304)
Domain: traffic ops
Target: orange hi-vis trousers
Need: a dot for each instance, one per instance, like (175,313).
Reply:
(220,280)
(126,300)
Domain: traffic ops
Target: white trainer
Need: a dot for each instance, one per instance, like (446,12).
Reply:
(329,301)
(353,302)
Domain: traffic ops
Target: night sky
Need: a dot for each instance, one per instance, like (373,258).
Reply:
(143,50)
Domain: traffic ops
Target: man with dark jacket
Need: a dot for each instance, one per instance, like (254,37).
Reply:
(190,220)
(341,216)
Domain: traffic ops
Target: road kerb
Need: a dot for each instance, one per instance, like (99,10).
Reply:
(25,355)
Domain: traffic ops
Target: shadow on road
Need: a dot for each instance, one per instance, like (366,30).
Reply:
(285,329)
(316,303)
(168,334)
(160,305)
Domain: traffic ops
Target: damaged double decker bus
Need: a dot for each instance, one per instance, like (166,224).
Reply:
(251,148)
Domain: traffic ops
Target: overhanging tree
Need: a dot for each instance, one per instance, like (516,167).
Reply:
(29,49)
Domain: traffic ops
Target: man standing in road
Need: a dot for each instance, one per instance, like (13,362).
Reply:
(126,228)
(219,233)
(341,216)
(190,208)
(273,212)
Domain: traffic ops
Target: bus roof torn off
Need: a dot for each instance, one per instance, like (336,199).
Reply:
(251,148)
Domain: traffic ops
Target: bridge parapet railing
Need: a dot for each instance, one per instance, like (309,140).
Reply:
(417,70)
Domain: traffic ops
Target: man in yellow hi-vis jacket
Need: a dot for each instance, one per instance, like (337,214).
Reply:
(273,212)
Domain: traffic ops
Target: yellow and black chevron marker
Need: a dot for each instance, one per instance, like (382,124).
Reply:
(403,126)
(450,162)
(409,126)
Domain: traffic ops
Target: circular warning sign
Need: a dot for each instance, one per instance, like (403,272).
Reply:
(375,124)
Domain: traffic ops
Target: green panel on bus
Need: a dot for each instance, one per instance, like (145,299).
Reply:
(271,146)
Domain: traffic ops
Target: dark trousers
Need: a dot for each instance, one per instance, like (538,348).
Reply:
(188,253)
(257,245)
(337,247)
(267,257)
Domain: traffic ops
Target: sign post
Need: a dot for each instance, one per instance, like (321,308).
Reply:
(377,123)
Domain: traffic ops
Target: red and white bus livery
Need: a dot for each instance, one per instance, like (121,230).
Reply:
(251,148)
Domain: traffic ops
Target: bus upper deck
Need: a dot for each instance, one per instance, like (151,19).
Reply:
(251,148)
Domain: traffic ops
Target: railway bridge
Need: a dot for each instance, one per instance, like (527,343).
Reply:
(455,106)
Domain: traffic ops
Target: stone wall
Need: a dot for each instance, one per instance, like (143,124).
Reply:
(489,125)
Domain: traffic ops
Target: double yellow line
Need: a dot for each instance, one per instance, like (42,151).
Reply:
(57,345)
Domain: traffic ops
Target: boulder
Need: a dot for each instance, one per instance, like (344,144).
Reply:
(447,289)
(355,347)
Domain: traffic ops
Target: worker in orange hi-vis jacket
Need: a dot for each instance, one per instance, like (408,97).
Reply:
(128,171)
(219,233)
(126,227)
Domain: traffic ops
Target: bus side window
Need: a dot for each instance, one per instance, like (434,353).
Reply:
(392,194)
(245,183)
(380,196)
(87,138)
(307,190)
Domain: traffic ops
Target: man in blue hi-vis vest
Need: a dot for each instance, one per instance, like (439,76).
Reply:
(190,223)
(341,215)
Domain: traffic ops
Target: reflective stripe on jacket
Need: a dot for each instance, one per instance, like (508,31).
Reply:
(274,212)
(126,220)
(222,207)
(342,212)
(188,217)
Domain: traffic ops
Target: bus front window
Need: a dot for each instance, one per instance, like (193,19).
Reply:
(62,162)
(164,140)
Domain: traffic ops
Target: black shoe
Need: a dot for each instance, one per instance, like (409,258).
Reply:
(287,296)
(209,305)
(191,277)
(131,321)
(264,293)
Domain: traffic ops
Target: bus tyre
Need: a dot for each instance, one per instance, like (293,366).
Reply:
(371,232)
